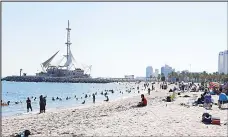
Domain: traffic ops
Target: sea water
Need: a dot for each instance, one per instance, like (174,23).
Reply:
(19,91)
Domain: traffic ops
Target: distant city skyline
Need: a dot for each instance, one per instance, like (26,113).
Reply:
(117,39)
(166,70)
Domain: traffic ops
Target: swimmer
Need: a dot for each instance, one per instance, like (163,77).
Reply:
(107,99)
(83,102)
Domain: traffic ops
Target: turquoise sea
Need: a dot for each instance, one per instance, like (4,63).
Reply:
(19,91)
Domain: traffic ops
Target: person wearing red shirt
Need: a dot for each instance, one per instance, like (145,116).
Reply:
(143,102)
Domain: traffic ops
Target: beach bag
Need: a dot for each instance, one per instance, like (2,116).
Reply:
(206,118)
(215,121)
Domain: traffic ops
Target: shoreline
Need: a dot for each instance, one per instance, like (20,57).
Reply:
(57,106)
(119,118)
(77,106)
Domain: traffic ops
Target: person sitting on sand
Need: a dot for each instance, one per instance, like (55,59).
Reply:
(29,106)
(208,100)
(222,99)
(143,102)
(201,99)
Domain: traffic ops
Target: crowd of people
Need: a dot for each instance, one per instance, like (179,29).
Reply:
(179,86)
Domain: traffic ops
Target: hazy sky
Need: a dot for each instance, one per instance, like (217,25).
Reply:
(115,38)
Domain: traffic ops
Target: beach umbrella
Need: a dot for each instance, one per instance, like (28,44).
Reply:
(214,85)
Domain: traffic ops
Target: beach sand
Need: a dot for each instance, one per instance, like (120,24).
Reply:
(119,118)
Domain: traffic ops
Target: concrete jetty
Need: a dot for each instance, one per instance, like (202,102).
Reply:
(54,79)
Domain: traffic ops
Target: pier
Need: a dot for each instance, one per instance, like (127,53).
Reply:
(68,80)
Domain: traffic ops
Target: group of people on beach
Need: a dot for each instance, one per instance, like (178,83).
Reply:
(42,104)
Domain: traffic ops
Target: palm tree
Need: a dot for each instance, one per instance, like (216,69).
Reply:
(204,76)
(162,77)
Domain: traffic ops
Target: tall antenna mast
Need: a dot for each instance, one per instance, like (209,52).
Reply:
(68,43)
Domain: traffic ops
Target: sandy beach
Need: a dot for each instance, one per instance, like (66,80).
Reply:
(119,118)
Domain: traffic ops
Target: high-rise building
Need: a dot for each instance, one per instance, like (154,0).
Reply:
(149,71)
(156,72)
(166,70)
(223,62)
(220,62)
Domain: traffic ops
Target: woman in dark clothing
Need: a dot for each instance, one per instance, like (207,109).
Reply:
(44,99)
(29,106)
(93,98)
(42,105)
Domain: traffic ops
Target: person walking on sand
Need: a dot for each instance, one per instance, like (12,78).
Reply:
(93,98)
(29,106)
(149,91)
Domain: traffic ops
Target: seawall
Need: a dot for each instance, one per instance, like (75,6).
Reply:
(54,79)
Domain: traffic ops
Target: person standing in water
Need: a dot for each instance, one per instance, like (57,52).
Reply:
(94,98)
(42,105)
(44,99)
(29,106)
